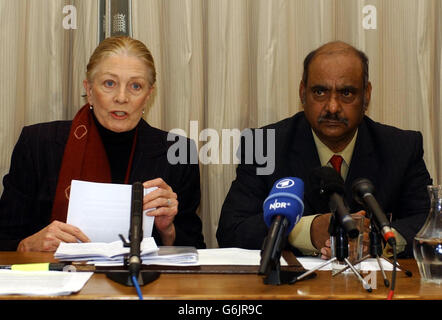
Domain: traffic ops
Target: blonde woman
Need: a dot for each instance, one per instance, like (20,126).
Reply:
(107,141)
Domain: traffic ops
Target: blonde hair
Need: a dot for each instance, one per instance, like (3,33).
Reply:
(121,45)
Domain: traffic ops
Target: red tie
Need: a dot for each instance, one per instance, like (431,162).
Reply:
(336,162)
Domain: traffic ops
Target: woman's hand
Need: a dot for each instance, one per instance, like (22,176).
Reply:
(166,204)
(49,238)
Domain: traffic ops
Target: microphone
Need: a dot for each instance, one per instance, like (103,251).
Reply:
(132,276)
(363,191)
(330,186)
(136,228)
(282,210)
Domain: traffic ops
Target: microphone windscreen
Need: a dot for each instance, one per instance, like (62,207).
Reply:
(285,199)
(326,180)
(360,187)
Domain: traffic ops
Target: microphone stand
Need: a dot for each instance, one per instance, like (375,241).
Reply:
(408,273)
(125,276)
(341,250)
(270,265)
(132,260)
(376,252)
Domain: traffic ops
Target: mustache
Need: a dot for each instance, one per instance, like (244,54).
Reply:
(332,117)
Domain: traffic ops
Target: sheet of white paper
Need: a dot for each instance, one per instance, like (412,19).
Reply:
(42,282)
(102,210)
(237,256)
(370,264)
(231,256)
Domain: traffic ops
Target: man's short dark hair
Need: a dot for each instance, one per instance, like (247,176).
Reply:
(359,53)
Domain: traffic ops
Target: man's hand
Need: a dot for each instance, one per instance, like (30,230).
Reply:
(49,238)
(321,238)
(319,234)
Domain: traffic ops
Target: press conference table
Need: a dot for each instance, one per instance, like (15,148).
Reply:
(240,286)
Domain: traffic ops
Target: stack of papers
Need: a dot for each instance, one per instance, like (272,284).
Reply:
(112,254)
(173,256)
(100,252)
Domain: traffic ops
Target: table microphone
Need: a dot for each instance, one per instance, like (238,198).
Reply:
(330,186)
(132,276)
(363,191)
(136,228)
(283,208)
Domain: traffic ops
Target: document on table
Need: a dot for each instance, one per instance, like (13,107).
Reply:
(173,256)
(370,264)
(44,283)
(232,256)
(102,210)
(112,254)
(237,256)
(100,251)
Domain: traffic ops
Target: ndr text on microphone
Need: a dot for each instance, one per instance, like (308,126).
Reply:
(283,208)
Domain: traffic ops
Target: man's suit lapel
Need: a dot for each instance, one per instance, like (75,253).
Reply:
(303,158)
(364,163)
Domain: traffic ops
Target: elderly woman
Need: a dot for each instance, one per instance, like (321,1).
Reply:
(107,141)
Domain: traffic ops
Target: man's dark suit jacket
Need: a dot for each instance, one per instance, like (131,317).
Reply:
(391,158)
(29,187)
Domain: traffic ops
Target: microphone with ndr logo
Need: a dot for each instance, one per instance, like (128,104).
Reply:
(283,208)
(285,199)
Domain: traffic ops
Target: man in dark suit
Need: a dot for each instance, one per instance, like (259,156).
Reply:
(335,93)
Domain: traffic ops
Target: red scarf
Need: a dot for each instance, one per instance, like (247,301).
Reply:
(84,159)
